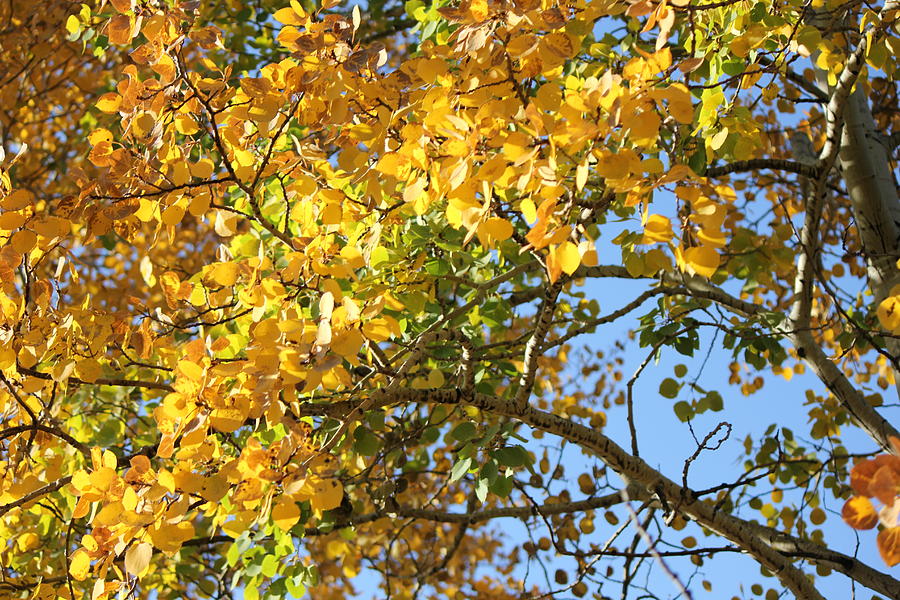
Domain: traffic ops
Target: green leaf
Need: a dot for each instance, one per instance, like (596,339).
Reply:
(464,432)
(512,456)
(683,411)
(269,565)
(481,490)
(365,442)
(669,388)
(460,469)
(501,487)
(233,555)
(489,471)
(295,586)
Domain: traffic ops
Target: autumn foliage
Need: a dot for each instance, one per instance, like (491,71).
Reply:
(295,296)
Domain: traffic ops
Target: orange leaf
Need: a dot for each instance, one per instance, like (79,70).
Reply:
(861,476)
(538,236)
(885,484)
(119,30)
(859,513)
(554,264)
(889,545)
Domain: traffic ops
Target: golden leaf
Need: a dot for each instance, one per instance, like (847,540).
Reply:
(285,513)
(327,494)
(109,102)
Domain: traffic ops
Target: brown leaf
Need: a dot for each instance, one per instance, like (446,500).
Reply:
(454,15)
(119,30)
(889,545)
(640,9)
(554,18)
(690,64)
(122,5)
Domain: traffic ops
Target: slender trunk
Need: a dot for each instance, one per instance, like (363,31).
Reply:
(865,163)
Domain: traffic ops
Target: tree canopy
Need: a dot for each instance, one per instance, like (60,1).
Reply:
(294,297)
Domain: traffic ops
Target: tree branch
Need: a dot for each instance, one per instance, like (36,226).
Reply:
(47,489)
(755,164)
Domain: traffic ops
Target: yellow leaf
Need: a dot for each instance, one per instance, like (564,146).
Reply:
(122,5)
(289,16)
(569,257)
(23,241)
(12,220)
(73,24)
(88,370)
(588,251)
(215,487)
(166,480)
(202,169)
(711,237)
(581,175)
(172,215)
(79,565)
(109,102)
(529,210)
(81,480)
(169,538)
(285,513)
(327,494)
(142,124)
(703,260)
(221,274)
(478,9)
(494,230)
(137,558)
(657,229)
(191,370)
(102,478)
(185,124)
(19,199)
(888,542)
(680,106)
(227,420)
(99,136)
(28,541)
(129,499)
(889,313)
